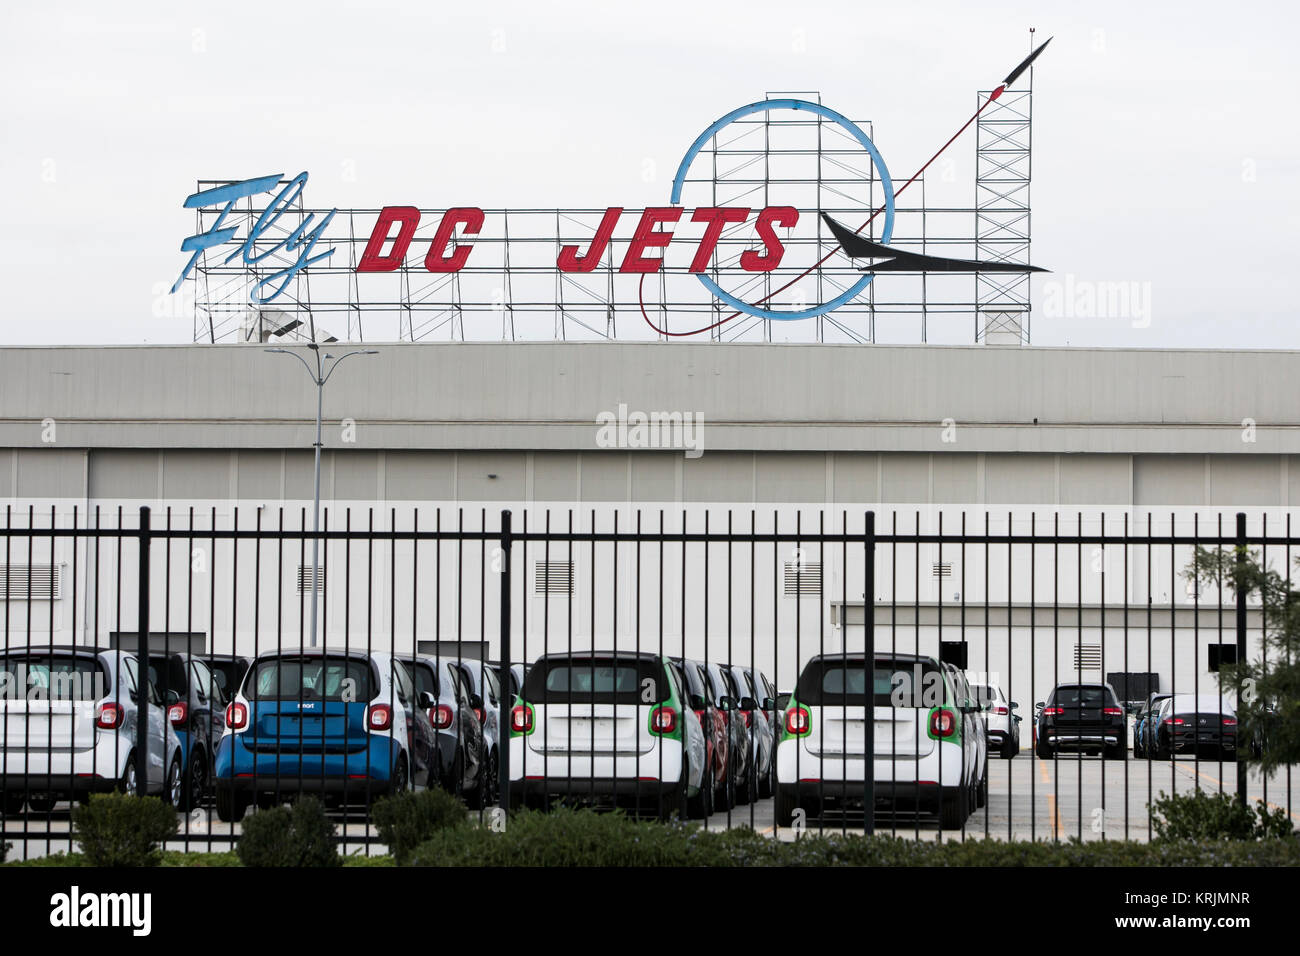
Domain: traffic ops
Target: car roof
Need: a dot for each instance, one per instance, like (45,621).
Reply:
(1209,702)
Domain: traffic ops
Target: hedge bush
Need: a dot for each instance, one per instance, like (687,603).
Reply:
(1219,816)
(118,830)
(405,821)
(296,835)
(587,838)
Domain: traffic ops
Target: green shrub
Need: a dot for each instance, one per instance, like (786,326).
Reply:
(117,830)
(408,819)
(587,838)
(297,835)
(1219,816)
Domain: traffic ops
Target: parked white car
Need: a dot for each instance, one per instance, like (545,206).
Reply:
(928,751)
(610,728)
(68,721)
(1001,723)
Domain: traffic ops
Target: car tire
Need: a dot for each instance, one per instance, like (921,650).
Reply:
(982,792)
(745,793)
(41,802)
(1008,749)
(196,781)
(728,799)
(128,784)
(700,806)
(1118,752)
(1044,751)
(231,806)
(401,779)
(954,808)
(786,804)
(12,803)
(768,782)
(173,792)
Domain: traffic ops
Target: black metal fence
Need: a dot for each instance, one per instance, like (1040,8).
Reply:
(705,663)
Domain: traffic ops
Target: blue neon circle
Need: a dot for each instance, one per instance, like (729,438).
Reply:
(761,107)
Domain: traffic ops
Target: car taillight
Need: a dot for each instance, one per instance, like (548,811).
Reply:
(1175,720)
(236,716)
(109,716)
(521,719)
(478,712)
(1112,711)
(943,722)
(1001,710)
(177,714)
(797,721)
(747,717)
(440,717)
(379,717)
(663,720)
(1053,711)
(1230,721)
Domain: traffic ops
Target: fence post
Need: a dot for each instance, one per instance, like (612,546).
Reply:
(1241,643)
(869,662)
(142,656)
(507,702)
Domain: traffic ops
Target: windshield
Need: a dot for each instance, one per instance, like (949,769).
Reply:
(842,682)
(597,680)
(312,678)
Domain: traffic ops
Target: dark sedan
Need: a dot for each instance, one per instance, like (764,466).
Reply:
(1084,717)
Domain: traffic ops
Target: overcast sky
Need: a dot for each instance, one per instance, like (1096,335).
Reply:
(1166,151)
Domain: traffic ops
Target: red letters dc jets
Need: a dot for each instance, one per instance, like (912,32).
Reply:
(444,255)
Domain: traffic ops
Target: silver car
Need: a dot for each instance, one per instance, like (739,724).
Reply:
(1001,723)
(68,727)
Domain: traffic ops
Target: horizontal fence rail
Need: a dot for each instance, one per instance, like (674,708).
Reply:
(1009,677)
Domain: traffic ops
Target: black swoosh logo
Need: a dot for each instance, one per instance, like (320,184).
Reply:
(900,260)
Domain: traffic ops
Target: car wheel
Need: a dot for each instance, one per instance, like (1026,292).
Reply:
(700,806)
(728,801)
(768,783)
(785,806)
(196,781)
(174,787)
(230,805)
(129,782)
(41,802)
(745,792)
(1008,749)
(1118,752)
(401,776)
(1044,752)
(954,808)
(12,804)
(482,794)
(982,794)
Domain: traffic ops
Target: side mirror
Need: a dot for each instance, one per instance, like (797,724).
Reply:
(1038,705)
(726,703)
(1014,705)
(697,702)
(769,703)
(476,702)
(425,700)
(748,703)
(173,698)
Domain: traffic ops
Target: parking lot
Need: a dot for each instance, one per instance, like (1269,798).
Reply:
(1029,798)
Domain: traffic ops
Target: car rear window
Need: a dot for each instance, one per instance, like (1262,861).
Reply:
(1083,696)
(597,680)
(312,678)
(52,677)
(842,682)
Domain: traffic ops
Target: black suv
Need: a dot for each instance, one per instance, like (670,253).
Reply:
(1086,717)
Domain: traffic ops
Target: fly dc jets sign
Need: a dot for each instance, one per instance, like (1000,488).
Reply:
(652,228)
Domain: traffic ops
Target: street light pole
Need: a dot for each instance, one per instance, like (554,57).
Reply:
(319,376)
